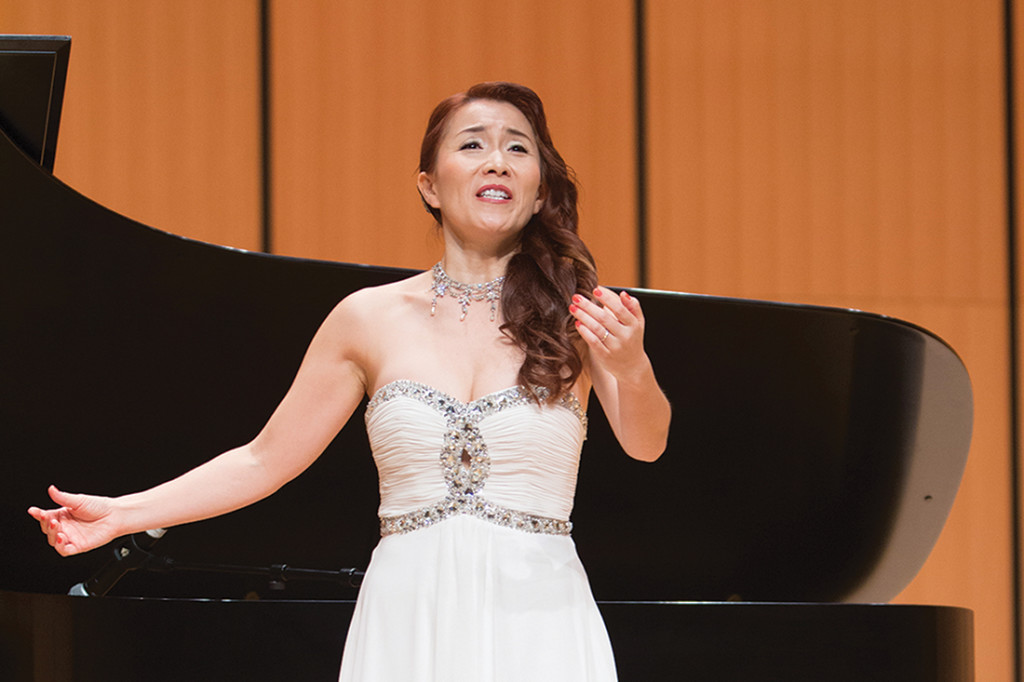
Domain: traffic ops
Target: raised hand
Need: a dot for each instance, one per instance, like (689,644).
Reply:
(612,326)
(614,331)
(81,523)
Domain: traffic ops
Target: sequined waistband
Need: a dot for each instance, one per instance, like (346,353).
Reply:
(472,505)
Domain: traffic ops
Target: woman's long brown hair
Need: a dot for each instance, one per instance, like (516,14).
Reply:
(552,263)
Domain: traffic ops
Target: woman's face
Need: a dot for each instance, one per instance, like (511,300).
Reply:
(486,178)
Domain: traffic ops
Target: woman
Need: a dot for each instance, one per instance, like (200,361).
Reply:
(476,419)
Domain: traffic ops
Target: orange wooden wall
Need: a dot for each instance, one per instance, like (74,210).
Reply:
(160,115)
(841,152)
(354,83)
(852,153)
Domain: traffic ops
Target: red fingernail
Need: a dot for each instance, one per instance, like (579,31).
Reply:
(576,298)
(597,292)
(578,324)
(573,309)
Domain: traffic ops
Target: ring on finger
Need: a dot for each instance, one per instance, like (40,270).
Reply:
(606,333)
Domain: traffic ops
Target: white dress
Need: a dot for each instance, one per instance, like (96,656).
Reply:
(476,578)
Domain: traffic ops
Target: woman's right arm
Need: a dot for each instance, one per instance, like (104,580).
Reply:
(327,389)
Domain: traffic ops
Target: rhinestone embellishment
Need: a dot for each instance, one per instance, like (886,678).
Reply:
(464,293)
(465,461)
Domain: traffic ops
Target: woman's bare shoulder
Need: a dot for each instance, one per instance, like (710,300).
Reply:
(361,317)
(373,300)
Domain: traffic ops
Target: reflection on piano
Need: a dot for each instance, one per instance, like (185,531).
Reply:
(813,459)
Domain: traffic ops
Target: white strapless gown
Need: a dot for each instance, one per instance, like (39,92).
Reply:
(476,578)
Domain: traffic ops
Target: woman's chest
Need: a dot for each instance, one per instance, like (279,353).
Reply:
(466,359)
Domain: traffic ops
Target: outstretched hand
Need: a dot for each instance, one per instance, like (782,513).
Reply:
(614,330)
(81,523)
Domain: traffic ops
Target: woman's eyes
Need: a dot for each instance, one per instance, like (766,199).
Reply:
(514,147)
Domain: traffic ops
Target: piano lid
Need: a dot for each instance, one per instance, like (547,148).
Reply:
(814,452)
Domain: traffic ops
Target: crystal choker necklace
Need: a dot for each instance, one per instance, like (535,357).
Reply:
(465,293)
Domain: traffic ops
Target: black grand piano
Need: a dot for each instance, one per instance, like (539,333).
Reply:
(813,459)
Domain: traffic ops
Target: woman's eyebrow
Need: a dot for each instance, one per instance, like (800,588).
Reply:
(479,129)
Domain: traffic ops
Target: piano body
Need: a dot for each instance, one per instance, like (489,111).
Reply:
(813,459)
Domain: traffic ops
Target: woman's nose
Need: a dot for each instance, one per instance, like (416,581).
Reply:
(496,164)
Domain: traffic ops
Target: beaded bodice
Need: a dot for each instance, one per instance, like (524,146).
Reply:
(501,458)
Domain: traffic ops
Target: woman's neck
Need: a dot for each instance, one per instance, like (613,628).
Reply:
(471,266)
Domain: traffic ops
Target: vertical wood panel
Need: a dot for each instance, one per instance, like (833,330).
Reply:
(1017,39)
(850,153)
(160,121)
(354,83)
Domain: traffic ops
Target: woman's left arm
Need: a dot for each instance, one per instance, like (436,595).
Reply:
(621,372)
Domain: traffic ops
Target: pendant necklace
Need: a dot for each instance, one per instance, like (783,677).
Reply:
(464,293)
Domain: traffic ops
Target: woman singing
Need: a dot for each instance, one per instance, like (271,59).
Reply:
(478,372)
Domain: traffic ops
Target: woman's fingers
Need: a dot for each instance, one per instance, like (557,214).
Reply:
(56,494)
(614,305)
(77,524)
(592,328)
(591,337)
(610,316)
(632,305)
(64,499)
(595,317)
